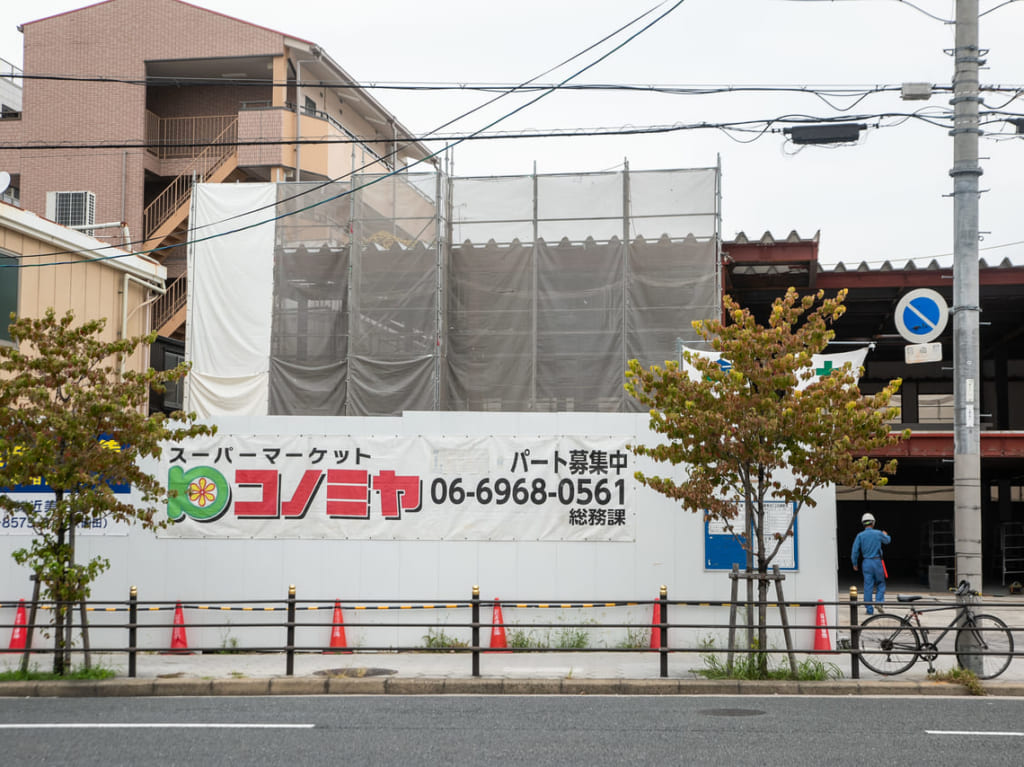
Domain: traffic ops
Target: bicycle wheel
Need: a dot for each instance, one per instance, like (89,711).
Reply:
(888,644)
(984,643)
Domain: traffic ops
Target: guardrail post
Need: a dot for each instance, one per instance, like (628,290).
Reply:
(290,651)
(663,630)
(133,616)
(854,636)
(476,630)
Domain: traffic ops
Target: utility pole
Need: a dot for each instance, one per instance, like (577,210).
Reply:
(966,308)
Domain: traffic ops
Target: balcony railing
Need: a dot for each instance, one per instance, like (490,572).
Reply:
(184,137)
(10,72)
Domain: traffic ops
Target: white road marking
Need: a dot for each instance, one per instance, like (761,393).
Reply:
(153,725)
(1008,734)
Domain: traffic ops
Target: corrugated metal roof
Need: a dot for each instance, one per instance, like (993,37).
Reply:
(867,265)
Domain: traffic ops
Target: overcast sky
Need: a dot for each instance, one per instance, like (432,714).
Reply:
(884,198)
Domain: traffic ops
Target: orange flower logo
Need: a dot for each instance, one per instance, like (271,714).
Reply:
(202,492)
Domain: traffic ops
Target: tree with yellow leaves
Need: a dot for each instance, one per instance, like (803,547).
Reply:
(73,423)
(765,427)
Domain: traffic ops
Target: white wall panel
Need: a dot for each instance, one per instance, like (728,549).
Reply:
(668,548)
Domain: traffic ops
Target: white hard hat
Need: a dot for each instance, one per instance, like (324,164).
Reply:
(868,519)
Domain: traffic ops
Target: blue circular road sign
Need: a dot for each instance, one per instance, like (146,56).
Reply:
(921,315)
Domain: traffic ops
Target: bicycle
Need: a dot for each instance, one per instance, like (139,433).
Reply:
(890,644)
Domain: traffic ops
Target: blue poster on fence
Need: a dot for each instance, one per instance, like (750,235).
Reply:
(722,550)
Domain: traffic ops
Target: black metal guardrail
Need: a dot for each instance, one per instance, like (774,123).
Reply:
(291,608)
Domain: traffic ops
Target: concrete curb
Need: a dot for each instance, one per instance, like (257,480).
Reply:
(337,685)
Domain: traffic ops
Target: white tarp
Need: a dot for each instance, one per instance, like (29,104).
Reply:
(231,283)
(436,488)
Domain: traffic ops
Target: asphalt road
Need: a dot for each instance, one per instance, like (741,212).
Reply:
(491,730)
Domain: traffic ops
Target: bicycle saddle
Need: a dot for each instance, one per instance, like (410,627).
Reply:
(908,597)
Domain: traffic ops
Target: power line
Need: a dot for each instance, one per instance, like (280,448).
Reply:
(393,153)
(428,157)
(759,128)
(623,130)
(459,85)
(681,89)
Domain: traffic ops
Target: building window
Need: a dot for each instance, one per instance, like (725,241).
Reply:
(11,195)
(8,294)
(935,408)
(896,493)
(173,399)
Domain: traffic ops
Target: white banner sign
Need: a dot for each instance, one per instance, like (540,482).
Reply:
(823,364)
(401,488)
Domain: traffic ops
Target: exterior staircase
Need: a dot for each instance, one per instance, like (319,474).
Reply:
(165,221)
(170,309)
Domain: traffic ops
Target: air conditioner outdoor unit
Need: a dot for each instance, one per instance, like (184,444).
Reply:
(74,209)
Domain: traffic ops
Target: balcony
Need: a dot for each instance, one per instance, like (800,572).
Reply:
(174,142)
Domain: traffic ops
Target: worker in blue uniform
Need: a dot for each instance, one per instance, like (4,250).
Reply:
(867,556)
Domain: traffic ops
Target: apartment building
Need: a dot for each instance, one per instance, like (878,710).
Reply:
(178,94)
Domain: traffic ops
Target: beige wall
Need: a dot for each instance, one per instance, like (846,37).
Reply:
(327,160)
(91,289)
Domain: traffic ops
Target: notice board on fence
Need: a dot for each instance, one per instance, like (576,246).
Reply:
(722,550)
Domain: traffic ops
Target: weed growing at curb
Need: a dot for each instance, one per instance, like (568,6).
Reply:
(35,675)
(968,679)
(746,666)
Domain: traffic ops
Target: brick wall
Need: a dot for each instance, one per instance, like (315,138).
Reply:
(204,100)
(113,39)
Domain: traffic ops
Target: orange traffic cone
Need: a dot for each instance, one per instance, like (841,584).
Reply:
(20,622)
(498,641)
(655,629)
(822,643)
(338,643)
(179,639)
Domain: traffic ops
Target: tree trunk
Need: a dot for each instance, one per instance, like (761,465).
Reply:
(59,609)
(69,610)
(762,589)
(58,590)
(762,623)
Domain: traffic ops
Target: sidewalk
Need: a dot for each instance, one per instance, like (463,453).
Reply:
(450,673)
